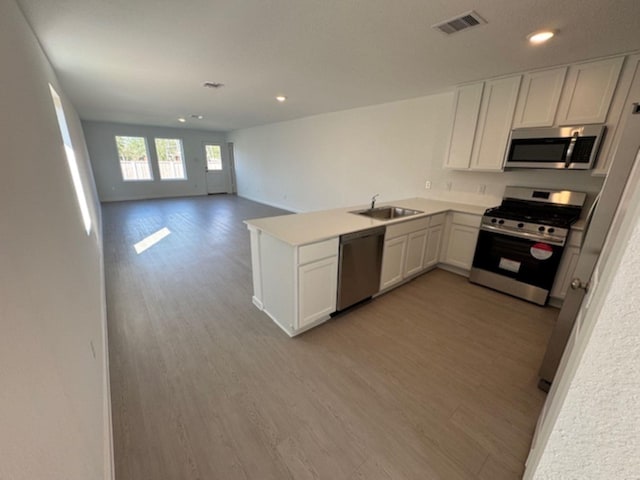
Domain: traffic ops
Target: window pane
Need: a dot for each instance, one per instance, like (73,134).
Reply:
(170,159)
(134,158)
(214,157)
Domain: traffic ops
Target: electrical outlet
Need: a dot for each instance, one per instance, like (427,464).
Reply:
(427,185)
(482,189)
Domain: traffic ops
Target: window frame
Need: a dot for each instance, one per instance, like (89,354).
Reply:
(184,163)
(148,156)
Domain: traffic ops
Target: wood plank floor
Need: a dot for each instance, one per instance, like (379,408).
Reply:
(434,380)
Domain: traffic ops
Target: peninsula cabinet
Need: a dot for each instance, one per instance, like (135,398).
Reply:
(302,281)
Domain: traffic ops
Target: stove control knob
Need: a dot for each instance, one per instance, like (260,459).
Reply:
(494,220)
(520,225)
(541,229)
(500,222)
(551,230)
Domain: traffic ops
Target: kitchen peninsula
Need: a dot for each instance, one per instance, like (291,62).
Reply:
(294,258)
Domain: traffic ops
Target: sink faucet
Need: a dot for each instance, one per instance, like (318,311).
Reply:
(373,200)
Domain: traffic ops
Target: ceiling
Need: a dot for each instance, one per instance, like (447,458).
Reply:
(144,61)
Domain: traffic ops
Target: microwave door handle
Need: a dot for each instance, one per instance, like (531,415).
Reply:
(572,144)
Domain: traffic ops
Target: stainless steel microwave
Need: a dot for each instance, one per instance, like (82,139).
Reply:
(559,147)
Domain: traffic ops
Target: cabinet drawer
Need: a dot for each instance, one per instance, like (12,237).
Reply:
(466,219)
(437,219)
(317,251)
(405,228)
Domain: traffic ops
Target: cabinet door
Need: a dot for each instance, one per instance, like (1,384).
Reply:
(494,123)
(539,97)
(317,290)
(628,89)
(462,246)
(393,261)
(565,272)
(415,252)
(432,250)
(588,92)
(466,105)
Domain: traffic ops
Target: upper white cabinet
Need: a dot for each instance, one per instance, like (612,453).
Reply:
(627,92)
(588,91)
(539,97)
(494,123)
(466,106)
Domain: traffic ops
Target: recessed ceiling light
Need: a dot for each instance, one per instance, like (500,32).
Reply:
(196,116)
(537,38)
(182,119)
(281,98)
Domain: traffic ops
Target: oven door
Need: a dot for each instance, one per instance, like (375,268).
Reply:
(513,263)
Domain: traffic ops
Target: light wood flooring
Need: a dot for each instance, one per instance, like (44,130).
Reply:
(434,380)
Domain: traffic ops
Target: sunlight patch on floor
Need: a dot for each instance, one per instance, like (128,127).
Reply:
(151,240)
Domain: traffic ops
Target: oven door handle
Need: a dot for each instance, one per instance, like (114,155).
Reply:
(525,235)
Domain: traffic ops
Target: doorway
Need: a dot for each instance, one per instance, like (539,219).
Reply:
(217,169)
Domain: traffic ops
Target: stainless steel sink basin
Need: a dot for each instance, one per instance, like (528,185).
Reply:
(387,213)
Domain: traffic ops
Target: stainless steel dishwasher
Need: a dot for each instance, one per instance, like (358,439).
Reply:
(359,267)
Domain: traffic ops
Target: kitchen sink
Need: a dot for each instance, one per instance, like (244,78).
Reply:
(387,213)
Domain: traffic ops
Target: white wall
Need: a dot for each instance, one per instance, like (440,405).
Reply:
(54,399)
(100,138)
(343,158)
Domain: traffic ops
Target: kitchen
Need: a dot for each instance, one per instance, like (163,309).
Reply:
(394,141)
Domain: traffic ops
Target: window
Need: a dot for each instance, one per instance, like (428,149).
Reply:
(134,158)
(81,198)
(170,159)
(214,157)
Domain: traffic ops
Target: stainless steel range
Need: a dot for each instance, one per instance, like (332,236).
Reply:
(521,241)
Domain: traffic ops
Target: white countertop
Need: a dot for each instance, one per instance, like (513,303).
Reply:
(303,228)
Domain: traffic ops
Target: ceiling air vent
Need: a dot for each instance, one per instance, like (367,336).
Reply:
(462,22)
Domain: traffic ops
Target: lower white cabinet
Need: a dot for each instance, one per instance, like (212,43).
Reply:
(461,240)
(432,249)
(416,243)
(393,261)
(317,287)
(294,285)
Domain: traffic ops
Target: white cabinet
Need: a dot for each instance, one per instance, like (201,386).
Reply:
(296,286)
(627,92)
(403,253)
(494,123)
(462,235)
(416,243)
(466,106)
(434,241)
(538,99)
(393,261)
(588,91)
(317,287)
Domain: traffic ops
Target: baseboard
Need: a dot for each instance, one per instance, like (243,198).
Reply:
(146,197)
(271,204)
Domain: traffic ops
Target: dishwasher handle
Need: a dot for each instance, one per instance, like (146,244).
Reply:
(370,232)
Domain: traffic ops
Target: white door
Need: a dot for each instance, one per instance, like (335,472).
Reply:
(626,176)
(217,175)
